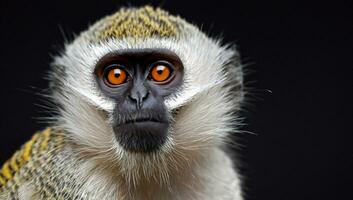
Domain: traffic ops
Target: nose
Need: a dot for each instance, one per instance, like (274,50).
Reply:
(139,96)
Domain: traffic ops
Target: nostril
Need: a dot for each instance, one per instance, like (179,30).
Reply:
(132,98)
(145,97)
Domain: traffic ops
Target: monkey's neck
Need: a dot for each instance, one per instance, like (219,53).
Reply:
(136,181)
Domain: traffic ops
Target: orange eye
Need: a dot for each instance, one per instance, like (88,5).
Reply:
(116,76)
(160,73)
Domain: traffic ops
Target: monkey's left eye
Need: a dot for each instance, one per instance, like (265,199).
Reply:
(161,72)
(115,76)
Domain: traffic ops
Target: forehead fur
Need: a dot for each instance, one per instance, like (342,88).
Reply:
(136,22)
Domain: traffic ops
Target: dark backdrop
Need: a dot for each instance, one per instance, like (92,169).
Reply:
(301,52)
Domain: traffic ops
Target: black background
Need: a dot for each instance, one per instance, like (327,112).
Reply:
(301,52)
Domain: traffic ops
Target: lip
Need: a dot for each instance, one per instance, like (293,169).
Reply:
(142,120)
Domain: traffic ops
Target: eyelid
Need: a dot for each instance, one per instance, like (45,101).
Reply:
(104,70)
(116,65)
(163,62)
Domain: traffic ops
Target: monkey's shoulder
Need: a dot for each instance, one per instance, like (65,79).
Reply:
(31,158)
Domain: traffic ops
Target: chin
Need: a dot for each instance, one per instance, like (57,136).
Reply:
(142,136)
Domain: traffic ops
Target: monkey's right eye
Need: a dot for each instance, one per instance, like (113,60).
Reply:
(115,76)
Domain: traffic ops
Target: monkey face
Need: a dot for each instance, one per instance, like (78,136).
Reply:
(116,99)
(138,81)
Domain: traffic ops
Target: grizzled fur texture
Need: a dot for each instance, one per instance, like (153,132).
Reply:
(89,163)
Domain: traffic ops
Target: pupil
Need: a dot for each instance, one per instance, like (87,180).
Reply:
(160,69)
(117,73)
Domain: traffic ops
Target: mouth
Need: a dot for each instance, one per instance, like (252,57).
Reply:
(141,134)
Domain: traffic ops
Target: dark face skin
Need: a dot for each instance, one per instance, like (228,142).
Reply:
(139,81)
